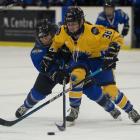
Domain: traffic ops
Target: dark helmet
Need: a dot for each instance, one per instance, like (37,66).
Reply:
(109,3)
(44,28)
(74,14)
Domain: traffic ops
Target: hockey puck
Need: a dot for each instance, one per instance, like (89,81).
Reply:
(51,133)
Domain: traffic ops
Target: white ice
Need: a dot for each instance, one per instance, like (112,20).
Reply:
(17,76)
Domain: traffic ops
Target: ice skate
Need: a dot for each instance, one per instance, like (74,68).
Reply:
(116,114)
(73,115)
(21,111)
(134,115)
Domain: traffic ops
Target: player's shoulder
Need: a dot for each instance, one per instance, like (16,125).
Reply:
(100,29)
(101,16)
(37,44)
(102,13)
(95,29)
(39,47)
(120,12)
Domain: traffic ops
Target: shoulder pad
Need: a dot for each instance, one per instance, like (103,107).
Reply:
(95,30)
(121,13)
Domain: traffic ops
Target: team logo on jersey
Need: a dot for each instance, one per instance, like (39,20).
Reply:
(36,51)
(95,31)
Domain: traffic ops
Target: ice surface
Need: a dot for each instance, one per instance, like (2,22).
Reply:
(17,76)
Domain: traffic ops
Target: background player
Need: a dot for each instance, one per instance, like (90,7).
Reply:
(112,17)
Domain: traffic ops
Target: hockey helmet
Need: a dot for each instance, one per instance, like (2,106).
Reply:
(45,27)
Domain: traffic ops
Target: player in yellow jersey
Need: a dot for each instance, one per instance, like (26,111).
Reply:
(92,46)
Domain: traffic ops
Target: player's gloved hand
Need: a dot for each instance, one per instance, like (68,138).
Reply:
(47,61)
(59,76)
(65,53)
(112,50)
(109,63)
(110,56)
(125,30)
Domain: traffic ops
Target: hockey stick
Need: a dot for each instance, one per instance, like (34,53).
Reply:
(63,126)
(11,123)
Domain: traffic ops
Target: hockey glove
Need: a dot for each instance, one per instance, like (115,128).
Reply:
(125,30)
(112,50)
(110,63)
(59,76)
(47,61)
(110,56)
(65,53)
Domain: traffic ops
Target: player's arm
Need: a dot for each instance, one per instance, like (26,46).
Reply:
(125,22)
(58,72)
(115,42)
(100,20)
(58,42)
(36,55)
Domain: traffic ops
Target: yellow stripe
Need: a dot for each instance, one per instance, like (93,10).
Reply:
(75,94)
(122,102)
(16,44)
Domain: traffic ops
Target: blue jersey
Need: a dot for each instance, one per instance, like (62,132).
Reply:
(119,18)
(37,54)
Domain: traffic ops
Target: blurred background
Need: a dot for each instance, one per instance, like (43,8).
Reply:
(18,21)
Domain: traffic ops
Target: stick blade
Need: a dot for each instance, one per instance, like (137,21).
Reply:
(60,127)
(6,123)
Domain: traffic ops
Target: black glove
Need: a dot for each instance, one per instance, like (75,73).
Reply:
(64,53)
(110,63)
(59,76)
(112,50)
(47,61)
(110,56)
(125,30)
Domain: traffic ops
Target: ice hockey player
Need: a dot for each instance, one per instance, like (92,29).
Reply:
(45,82)
(112,17)
(48,78)
(92,47)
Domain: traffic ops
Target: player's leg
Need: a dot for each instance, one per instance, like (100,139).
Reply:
(107,80)
(43,86)
(119,98)
(75,95)
(94,92)
(122,101)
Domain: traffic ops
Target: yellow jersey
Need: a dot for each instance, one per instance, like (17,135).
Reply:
(93,40)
